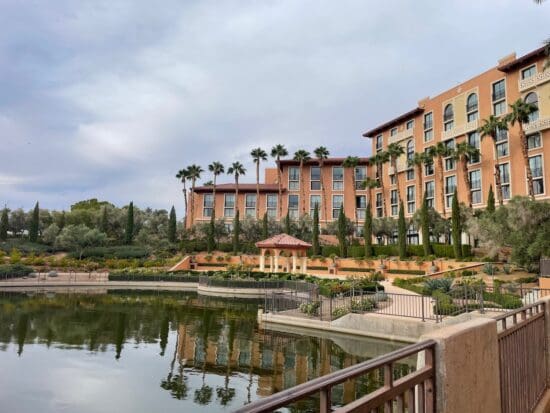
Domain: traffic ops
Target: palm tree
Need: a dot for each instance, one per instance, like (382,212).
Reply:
(520,111)
(369,184)
(440,151)
(258,155)
(379,160)
(302,156)
(351,162)
(183,176)
(417,161)
(194,174)
(395,151)
(491,128)
(216,168)
(322,153)
(236,169)
(277,152)
(464,152)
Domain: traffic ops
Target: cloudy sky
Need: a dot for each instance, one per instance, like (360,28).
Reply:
(108,99)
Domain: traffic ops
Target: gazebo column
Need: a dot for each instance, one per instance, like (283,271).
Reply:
(294,262)
(277,252)
(271,263)
(262,260)
(303,267)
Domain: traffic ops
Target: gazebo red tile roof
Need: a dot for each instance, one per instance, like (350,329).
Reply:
(283,241)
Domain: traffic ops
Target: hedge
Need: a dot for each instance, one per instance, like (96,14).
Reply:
(358,251)
(14,270)
(411,272)
(357,269)
(136,276)
(123,252)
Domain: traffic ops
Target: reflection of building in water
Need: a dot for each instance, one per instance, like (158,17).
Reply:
(278,360)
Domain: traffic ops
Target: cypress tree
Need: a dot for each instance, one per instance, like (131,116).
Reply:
(425,225)
(210,241)
(34,225)
(172,225)
(236,232)
(367,232)
(104,223)
(402,233)
(62,220)
(4,225)
(342,239)
(129,234)
(315,235)
(287,224)
(456,227)
(265,227)
(490,201)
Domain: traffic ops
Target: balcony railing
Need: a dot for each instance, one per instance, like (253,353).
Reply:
(534,80)
(460,130)
(536,126)
(407,133)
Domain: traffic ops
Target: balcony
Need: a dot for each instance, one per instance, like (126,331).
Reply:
(535,80)
(460,130)
(538,125)
(407,133)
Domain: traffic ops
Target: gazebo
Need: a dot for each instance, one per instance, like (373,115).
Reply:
(283,243)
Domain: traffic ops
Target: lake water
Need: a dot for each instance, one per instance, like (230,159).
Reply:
(158,351)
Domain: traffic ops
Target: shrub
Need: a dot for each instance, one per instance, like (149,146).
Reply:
(437,284)
(415,285)
(507,301)
(444,304)
(356,269)
(411,272)
(15,256)
(311,309)
(468,273)
(526,280)
(122,252)
(507,269)
(366,304)
(339,312)
(14,270)
(489,268)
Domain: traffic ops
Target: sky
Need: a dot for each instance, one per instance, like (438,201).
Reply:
(109,99)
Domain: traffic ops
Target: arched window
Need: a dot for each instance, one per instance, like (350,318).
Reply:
(471,107)
(533,99)
(410,149)
(448,116)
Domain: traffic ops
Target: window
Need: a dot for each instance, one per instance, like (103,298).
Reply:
(360,176)
(293,206)
(428,167)
(471,107)
(314,200)
(474,140)
(393,132)
(410,150)
(499,97)
(530,71)
(379,205)
(271,201)
(410,124)
(475,185)
(337,178)
(429,188)
(379,142)
(534,141)
(448,117)
(360,206)
(337,203)
(428,127)
(392,179)
(533,99)
(502,143)
(450,186)
(535,163)
(315,178)
(410,174)
(293,178)
(250,205)
(411,199)
(394,202)
(207,205)
(412,236)
(505,180)
(229,205)
(450,161)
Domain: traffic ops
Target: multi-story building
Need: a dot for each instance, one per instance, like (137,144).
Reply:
(454,116)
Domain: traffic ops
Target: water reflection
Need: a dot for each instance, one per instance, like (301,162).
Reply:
(216,357)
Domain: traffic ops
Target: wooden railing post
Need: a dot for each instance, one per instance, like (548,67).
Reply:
(325,400)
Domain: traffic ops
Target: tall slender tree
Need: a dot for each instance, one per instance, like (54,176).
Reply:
(4,225)
(322,153)
(288,228)
(464,153)
(34,227)
(265,226)
(104,222)
(395,150)
(342,233)
(491,128)
(194,173)
(258,155)
(425,226)
(236,169)
(236,233)
(210,241)
(402,232)
(217,169)
(315,236)
(278,152)
(456,227)
(520,113)
(369,184)
(379,160)
(172,224)
(440,151)
(302,156)
(351,162)
(367,232)
(490,201)
(129,230)
(183,176)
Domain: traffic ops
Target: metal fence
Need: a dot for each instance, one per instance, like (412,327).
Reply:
(522,358)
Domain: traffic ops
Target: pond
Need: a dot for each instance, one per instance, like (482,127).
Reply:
(149,350)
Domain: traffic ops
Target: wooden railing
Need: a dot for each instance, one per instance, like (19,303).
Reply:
(522,358)
(414,392)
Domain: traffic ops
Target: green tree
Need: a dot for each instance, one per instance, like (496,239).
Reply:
(351,162)
(440,151)
(490,201)
(172,225)
(50,234)
(367,232)
(394,151)
(456,226)
(402,232)
(216,168)
(265,227)
(342,233)
(129,230)
(315,236)
(277,152)
(491,128)
(62,220)
(378,161)
(302,156)
(4,225)
(322,153)
(258,155)
(236,233)
(417,161)
(193,174)
(287,224)
(236,169)
(464,153)
(425,226)
(104,222)
(210,235)
(78,237)
(34,224)
(183,176)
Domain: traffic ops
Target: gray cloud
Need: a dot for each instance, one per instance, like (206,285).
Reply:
(109,101)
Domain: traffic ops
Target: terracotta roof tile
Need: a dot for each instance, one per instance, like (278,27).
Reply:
(283,241)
